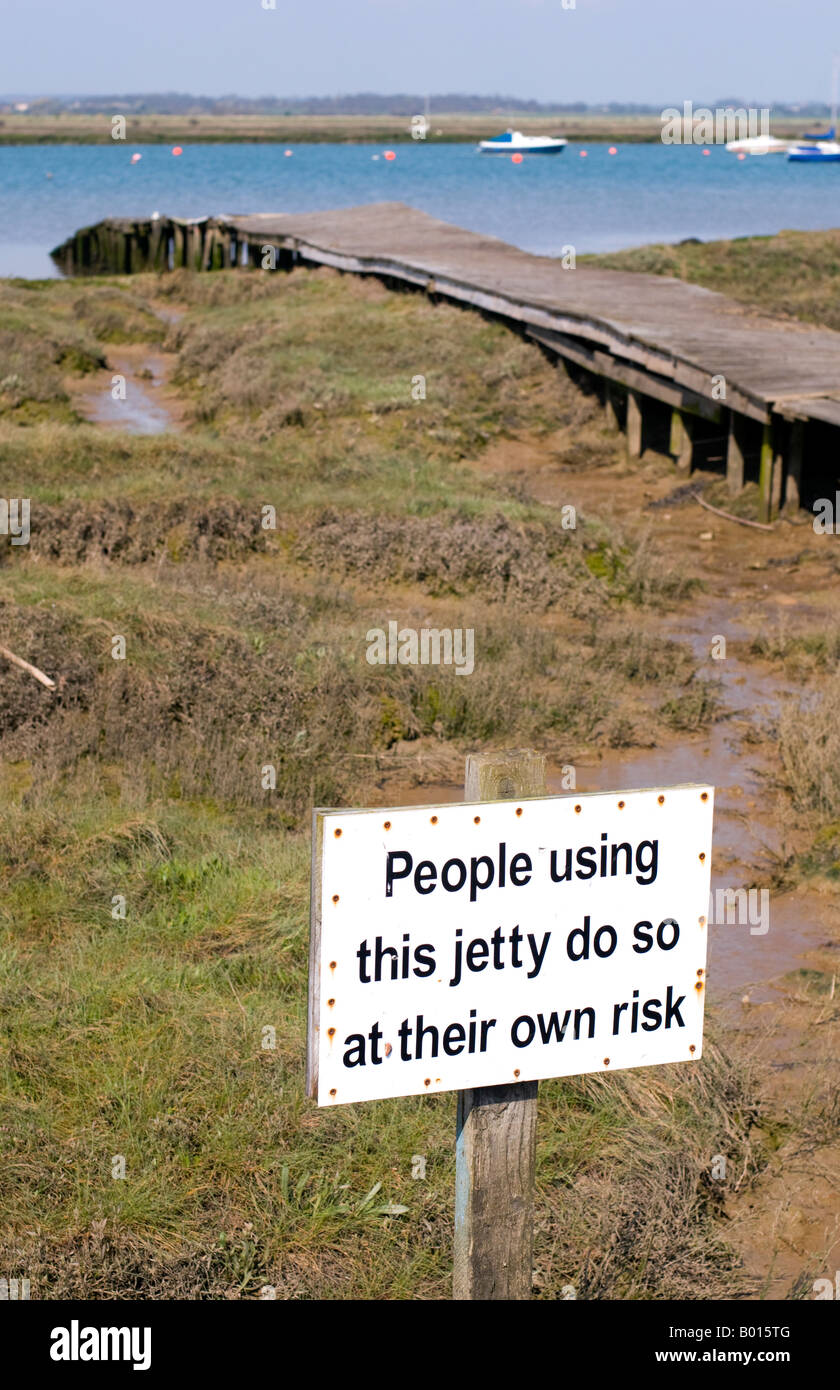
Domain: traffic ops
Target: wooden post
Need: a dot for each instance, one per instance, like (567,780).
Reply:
(194,235)
(162,259)
(634,425)
(682,440)
(81,259)
(219,255)
(611,406)
(495,1150)
(765,474)
(779,433)
(796,450)
(770,471)
(734,455)
(207,247)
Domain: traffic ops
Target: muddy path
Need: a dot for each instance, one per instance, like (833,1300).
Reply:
(776,993)
(133,393)
(774,982)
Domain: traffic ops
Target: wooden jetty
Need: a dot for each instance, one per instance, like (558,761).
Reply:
(678,366)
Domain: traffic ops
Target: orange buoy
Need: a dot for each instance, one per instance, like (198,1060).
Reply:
(612,150)
(176,149)
(583,154)
(389,154)
(707,151)
(516,158)
(135,158)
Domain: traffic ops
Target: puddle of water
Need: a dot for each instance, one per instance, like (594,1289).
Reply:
(740,956)
(140,412)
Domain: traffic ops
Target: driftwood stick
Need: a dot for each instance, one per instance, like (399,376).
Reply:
(25,666)
(742,520)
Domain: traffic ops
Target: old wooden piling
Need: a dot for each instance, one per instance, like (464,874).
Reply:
(634,425)
(611,405)
(682,439)
(796,450)
(735,454)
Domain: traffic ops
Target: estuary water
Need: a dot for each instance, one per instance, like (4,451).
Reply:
(585,197)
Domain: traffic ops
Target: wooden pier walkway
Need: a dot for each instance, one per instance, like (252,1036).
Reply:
(770,386)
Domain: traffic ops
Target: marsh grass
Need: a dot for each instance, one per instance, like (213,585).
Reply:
(809,750)
(142,1036)
(51,330)
(800,652)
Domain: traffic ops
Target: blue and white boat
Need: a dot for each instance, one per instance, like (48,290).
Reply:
(816,149)
(822,148)
(514,142)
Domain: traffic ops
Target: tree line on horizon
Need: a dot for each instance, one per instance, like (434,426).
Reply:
(359,104)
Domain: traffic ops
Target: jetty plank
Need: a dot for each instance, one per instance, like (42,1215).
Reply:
(650,337)
(675,329)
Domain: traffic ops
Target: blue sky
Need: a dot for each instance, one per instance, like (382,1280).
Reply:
(661,51)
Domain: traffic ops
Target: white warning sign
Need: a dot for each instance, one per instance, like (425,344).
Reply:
(477,944)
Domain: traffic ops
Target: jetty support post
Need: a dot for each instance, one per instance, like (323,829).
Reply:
(793,479)
(107,249)
(611,405)
(780,429)
(159,234)
(770,469)
(682,440)
(219,250)
(496,1135)
(193,245)
(81,253)
(179,244)
(634,425)
(735,454)
(124,249)
(765,474)
(213,255)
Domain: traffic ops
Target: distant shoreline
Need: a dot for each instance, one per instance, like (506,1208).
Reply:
(443,129)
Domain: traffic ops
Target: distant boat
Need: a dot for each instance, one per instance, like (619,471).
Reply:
(514,142)
(816,149)
(758,144)
(822,148)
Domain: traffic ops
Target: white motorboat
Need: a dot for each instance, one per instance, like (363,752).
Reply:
(759,144)
(514,142)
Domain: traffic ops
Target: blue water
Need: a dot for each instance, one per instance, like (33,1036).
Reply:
(602,202)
